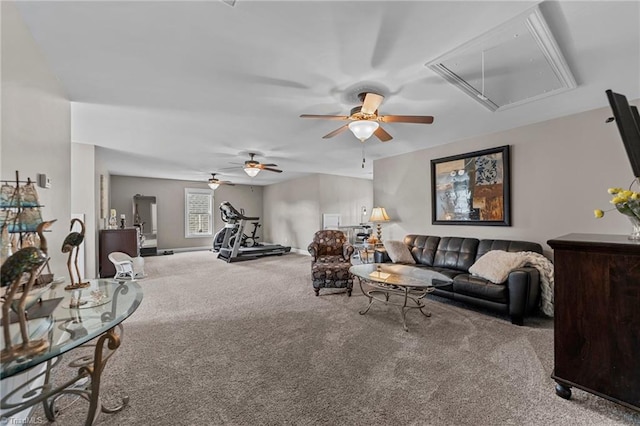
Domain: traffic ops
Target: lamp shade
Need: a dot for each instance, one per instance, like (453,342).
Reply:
(379,214)
(252,171)
(213,185)
(363,129)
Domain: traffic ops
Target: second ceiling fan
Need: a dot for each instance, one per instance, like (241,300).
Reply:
(365,120)
(253,167)
(214,182)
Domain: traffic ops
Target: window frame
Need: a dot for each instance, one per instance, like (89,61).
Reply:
(187,212)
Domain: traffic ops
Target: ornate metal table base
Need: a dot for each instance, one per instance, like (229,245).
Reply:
(90,367)
(412,298)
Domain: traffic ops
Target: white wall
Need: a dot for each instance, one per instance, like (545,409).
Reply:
(293,209)
(36,135)
(561,170)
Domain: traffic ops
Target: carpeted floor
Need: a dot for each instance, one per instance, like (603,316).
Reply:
(249,344)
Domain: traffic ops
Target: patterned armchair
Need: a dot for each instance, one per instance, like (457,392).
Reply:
(331,260)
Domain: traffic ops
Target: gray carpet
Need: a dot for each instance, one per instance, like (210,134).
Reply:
(249,344)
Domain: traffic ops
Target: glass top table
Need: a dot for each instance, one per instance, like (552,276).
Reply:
(400,285)
(93,314)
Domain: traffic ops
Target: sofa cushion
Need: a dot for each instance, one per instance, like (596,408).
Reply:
(456,253)
(422,247)
(495,265)
(398,252)
(479,287)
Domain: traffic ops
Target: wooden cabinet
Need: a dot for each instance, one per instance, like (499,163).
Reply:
(125,240)
(597,316)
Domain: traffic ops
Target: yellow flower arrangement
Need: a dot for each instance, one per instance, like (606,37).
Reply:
(626,202)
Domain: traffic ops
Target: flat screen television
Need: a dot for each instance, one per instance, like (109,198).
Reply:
(628,121)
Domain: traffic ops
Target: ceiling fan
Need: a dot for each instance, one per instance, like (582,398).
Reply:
(253,167)
(214,182)
(365,119)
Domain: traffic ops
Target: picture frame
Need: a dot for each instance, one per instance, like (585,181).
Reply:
(472,188)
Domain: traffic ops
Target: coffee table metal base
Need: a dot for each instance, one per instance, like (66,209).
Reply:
(410,298)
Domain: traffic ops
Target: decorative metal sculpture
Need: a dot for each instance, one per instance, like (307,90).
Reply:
(27,260)
(69,245)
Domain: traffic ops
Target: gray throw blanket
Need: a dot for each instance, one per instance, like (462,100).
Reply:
(545,268)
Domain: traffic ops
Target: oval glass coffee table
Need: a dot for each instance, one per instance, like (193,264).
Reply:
(400,285)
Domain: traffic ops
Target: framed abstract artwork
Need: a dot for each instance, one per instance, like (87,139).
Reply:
(472,188)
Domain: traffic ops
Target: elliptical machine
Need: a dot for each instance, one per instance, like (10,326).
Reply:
(229,246)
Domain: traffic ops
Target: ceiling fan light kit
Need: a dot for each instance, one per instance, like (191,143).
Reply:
(213,185)
(363,129)
(251,171)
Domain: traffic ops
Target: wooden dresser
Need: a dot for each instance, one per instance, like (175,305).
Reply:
(125,240)
(597,316)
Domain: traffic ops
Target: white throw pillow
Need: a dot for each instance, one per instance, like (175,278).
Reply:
(398,252)
(495,265)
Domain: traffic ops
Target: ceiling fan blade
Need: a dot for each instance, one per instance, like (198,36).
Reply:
(226,182)
(272,170)
(269,165)
(336,132)
(371,103)
(423,119)
(326,117)
(382,135)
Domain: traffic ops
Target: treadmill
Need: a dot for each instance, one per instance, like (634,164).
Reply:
(236,253)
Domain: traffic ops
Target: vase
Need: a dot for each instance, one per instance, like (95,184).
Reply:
(635,228)
(113,222)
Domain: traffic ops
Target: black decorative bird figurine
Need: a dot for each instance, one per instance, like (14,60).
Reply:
(26,260)
(70,244)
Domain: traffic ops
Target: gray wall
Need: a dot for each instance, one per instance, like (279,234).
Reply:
(36,129)
(561,170)
(170,199)
(293,209)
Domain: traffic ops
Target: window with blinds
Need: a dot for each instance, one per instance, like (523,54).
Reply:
(198,213)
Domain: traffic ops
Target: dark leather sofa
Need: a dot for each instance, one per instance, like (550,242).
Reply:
(453,256)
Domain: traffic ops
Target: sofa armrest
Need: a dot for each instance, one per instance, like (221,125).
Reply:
(524,292)
(313,250)
(347,251)
(380,255)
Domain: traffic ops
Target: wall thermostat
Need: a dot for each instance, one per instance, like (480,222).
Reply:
(44,181)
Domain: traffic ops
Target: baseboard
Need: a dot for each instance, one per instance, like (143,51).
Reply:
(300,251)
(188,249)
(183,249)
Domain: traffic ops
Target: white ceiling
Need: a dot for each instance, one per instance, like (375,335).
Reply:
(180,89)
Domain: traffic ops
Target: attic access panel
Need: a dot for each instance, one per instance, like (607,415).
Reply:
(515,63)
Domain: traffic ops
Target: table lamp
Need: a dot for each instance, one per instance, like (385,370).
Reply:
(378,215)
